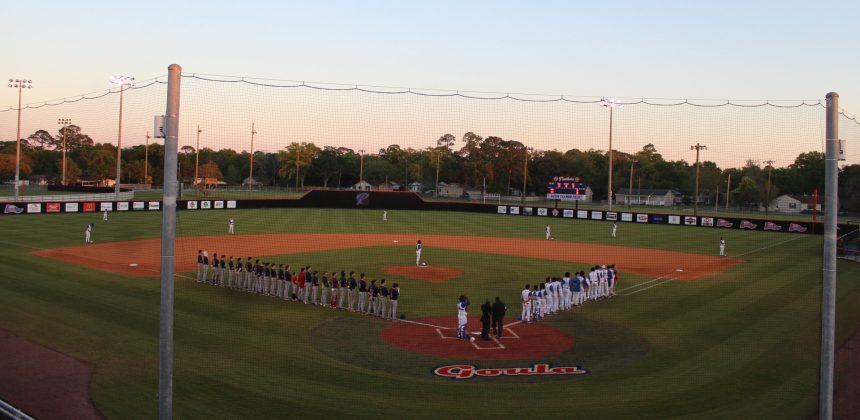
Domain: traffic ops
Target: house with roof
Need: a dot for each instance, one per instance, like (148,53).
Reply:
(649,197)
(792,203)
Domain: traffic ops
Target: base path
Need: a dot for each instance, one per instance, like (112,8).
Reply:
(42,382)
(117,256)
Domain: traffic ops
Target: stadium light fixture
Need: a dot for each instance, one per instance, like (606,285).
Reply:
(610,103)
(122,82)
(65,123)
(19,84)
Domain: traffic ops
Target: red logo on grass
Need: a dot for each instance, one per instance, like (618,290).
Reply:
(470,371)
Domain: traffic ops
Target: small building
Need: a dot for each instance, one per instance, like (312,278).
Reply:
(37,180)
(649,197)
(790,203)
(450,190)
(209,183)
(389,186)
(362,185)
(416,187)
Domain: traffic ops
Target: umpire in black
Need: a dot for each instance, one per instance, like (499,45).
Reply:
(498,310)
(485,320)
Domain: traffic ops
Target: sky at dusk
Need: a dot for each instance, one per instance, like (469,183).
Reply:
(786,50)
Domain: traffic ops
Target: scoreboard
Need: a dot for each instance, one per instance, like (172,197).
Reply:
(563,188)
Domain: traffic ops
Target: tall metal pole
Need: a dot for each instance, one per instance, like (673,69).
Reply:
(119,144)
(828,284)
(438,157)
(728,190)
(197,156)
(360,167)
(610,157)
(168,244)
(697,148)
(298,158)
(146,160)
(65,122)
(525,172)
(767,200)
(630,189)
(19,84)
(251,174)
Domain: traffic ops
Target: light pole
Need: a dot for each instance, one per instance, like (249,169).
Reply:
(630,189)
(298,166)
(197,155)
(728,190)
(251,173)
(65,123)
(525,171)
(123,82)
(767,202)
(146,160)
(610,103)
(360,168)
(19,84)
(697,147)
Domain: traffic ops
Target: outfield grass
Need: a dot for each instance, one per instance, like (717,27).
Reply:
(740,344)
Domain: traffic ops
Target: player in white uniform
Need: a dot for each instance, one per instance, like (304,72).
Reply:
(418,253)
(614,229)
(548,237)
(556,289)
(565,292)
(104,216)
(722,247)
(385,215)
(527,304)
(88,234)
(462,317)
(231,226)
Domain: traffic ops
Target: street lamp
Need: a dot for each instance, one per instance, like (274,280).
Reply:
(19,84)
(123,82)
(697,147)
(65,123)
(610,103)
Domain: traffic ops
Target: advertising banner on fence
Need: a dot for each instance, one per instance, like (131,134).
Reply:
(139,205)
(641,218)
(502,210)
(205,204)
(106,206)
(191,205)
(12,209)
(708,221)
(154,205)
(88,207)
(582,214)
(674,220)
(723,223)
(660,218)
(528,211)
(541,211)
(597,215)
(746,224)
(52,208)
(231,204)
(122,206)
(34,207)
(690,220)
(568,213)
(71,207)
(611,215)
(626,217)
(555,212)
(219,204)
(772,226)
(514,210)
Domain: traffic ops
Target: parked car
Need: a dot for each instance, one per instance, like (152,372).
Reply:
(465,195)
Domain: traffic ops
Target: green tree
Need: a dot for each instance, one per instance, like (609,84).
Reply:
(746,193)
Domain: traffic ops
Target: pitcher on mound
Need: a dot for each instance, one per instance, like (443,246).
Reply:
(418,253)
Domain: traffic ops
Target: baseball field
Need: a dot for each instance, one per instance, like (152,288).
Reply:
(688,334)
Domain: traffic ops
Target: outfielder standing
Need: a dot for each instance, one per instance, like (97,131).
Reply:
(88,234)
(722,247)
(418,253)
(104,216)
(231,226)
(614,229)
(547,232)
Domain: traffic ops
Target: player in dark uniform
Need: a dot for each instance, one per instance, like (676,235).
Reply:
(374,294)
(205,267)
(249,275)
(351,285)
(383,299)
(324,289)
(199,265)
(216,264)
(224,269)
(395,296)
(315,289)
(498,311)
(230,271)
(288,280)
(486,314)
(240,273)
(362,293)
(341,294)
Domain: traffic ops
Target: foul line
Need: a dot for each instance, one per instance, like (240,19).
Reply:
(426,325)
(671,279)
(643,283)
(770,246)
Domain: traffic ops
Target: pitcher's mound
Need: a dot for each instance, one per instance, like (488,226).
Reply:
(433,274)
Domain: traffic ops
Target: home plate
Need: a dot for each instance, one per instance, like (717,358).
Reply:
(133,265)
(395,241)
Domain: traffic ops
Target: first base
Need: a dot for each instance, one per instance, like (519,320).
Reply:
(133,265)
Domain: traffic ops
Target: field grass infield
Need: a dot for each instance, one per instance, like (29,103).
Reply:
(741,343)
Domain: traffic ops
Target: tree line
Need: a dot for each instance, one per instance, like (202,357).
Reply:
(472,161)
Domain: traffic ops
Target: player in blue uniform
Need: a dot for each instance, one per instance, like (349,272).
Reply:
(462,317)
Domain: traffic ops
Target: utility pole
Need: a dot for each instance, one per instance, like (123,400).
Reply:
(525,171)
(123,82)
(298,159)
(438,156)
(728,190)
(65,123)
(360,168)
(697,148)
(197,156)
(251,174)
(611,104)
(630,189)
(19,84)
(828,283)
(767,202)
(146,160)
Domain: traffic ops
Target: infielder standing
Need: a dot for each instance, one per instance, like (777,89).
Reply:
(547,232)
(104,216)
(231,226)
(614,228)
(418,253)
(722,247)
(385,215)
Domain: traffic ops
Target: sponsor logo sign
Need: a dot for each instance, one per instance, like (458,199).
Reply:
(191,205)
(362,199)
(772,226)
(12,209)
(724,223)
(154,205)
(219,204)
(794,227)
(657,218)
(502,209)
(690,221)
(707,221)
(597,215)
(34,207)
(105,206)
(71,207)
(611,215)
(89,207)
(205,204)
(122,206)
(674,220)
(471,371)
(582,214)
(139,205)
(641,218)
(514,210)
(541,211)
(527,211)
(567,213)
(626,217)
(746,224)
(52,208)
(231,204)
(555,212)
